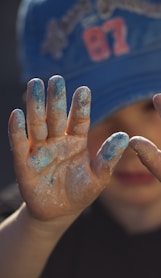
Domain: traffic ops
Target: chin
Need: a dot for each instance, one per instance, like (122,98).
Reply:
(141,200)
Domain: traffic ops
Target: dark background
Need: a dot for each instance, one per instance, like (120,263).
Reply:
(11,89)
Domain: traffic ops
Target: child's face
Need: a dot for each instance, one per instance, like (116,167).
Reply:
(131,182)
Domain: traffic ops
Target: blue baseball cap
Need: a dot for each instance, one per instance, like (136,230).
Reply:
(111,46)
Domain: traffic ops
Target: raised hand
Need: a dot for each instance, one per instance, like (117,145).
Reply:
(52,163)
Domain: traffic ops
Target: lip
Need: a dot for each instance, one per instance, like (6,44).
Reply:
(136,178)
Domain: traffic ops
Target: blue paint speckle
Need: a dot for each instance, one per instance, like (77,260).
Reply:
(109,152)
(38,91)
(59,84)
(41,159)
(114,143)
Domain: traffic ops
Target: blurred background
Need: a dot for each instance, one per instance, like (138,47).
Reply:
(11,89)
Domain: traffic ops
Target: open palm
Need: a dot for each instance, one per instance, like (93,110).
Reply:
(52,163)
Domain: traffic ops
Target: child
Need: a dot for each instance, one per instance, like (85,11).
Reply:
(63,165)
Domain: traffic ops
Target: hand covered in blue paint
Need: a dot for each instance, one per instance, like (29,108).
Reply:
(52,163)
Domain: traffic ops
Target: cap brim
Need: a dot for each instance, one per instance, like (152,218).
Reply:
(122,87)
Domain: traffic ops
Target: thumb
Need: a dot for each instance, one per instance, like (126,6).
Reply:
(109,154)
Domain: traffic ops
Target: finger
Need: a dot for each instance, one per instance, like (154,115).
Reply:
(148,153)
(17,135)
(36,116)
(109,154)
(157,103)
(56,106)
(79,115)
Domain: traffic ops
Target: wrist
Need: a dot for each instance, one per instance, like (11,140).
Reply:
(45,229)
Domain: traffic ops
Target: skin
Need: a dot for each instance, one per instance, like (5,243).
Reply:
(55,152)
(59,175)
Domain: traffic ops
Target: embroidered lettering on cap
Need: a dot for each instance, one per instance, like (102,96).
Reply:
(57,31)
(106,7)
(94,34)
